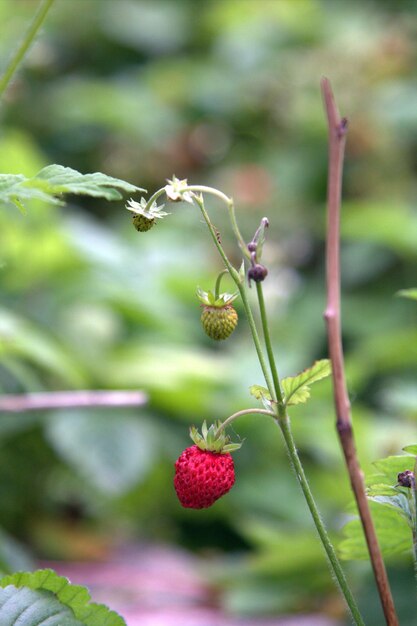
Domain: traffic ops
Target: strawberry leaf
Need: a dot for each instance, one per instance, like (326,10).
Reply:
(297,388)
(45,597)
(392,529)
(51,182)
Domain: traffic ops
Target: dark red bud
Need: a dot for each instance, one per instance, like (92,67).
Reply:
(252,246)
(257,273)
(406,479)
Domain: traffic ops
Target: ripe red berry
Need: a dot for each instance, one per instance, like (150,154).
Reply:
(202,477)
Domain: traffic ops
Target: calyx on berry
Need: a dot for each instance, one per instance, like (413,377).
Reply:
(208,298)
(144,217)
(213,439)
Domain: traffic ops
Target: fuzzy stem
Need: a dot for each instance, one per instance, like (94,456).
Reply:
(19,55)
(255,411)
(337,134)
(284,424)
(268,344)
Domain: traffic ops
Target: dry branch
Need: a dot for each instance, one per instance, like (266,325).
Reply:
(70,399)
(337,135)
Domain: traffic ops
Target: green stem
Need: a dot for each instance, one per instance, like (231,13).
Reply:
(268,343)
(241,287)
(230,207)
(154,198)
(284,424)
(19,55)
(218,281)
(256,411)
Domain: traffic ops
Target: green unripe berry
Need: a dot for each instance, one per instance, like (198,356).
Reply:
(219,322)
(142,223)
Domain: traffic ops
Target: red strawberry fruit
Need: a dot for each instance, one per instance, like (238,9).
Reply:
(205,471)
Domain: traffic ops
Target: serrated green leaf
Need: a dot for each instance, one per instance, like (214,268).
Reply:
(392,529)
(260,393)
(408,293)
(51,182)
(297,388)
(46,597)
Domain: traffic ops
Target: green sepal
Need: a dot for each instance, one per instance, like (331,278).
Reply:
(208,298)
(213,439)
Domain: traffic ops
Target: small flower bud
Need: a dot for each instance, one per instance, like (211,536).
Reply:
(406,479)
(252,246)
(257,273)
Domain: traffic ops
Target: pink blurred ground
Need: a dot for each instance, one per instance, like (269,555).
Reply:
(162,586)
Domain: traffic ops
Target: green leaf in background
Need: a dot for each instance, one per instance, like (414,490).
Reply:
(297,388)
(22,338)
(54,180)
(412,449)
(392,529)
(408,293)
(391,466)
(45,597)
(113,450)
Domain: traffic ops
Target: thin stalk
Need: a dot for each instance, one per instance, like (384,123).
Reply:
(284,424)
(218,282)
(236,277)
(19,55)
(230,207)
(268,343)
(255,411)
(337,128)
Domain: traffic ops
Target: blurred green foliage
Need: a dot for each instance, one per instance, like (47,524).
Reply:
(225,93)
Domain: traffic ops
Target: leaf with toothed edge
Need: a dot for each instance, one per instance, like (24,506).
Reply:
(46,598)
(297,388)
(53,181)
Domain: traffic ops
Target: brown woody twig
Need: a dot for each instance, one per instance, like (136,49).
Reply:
(70,400)
(337,134)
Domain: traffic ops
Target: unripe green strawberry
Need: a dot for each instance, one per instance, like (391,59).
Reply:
(219,322)
(205,471)
(219,317)
(144,217)
(142,223)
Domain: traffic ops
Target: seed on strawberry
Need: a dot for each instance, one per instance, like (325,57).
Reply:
(219,317)
(144,217)
(205,471)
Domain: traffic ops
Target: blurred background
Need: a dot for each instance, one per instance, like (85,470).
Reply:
(224,93)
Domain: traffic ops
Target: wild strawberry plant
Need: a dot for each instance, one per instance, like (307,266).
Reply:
(204,472)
